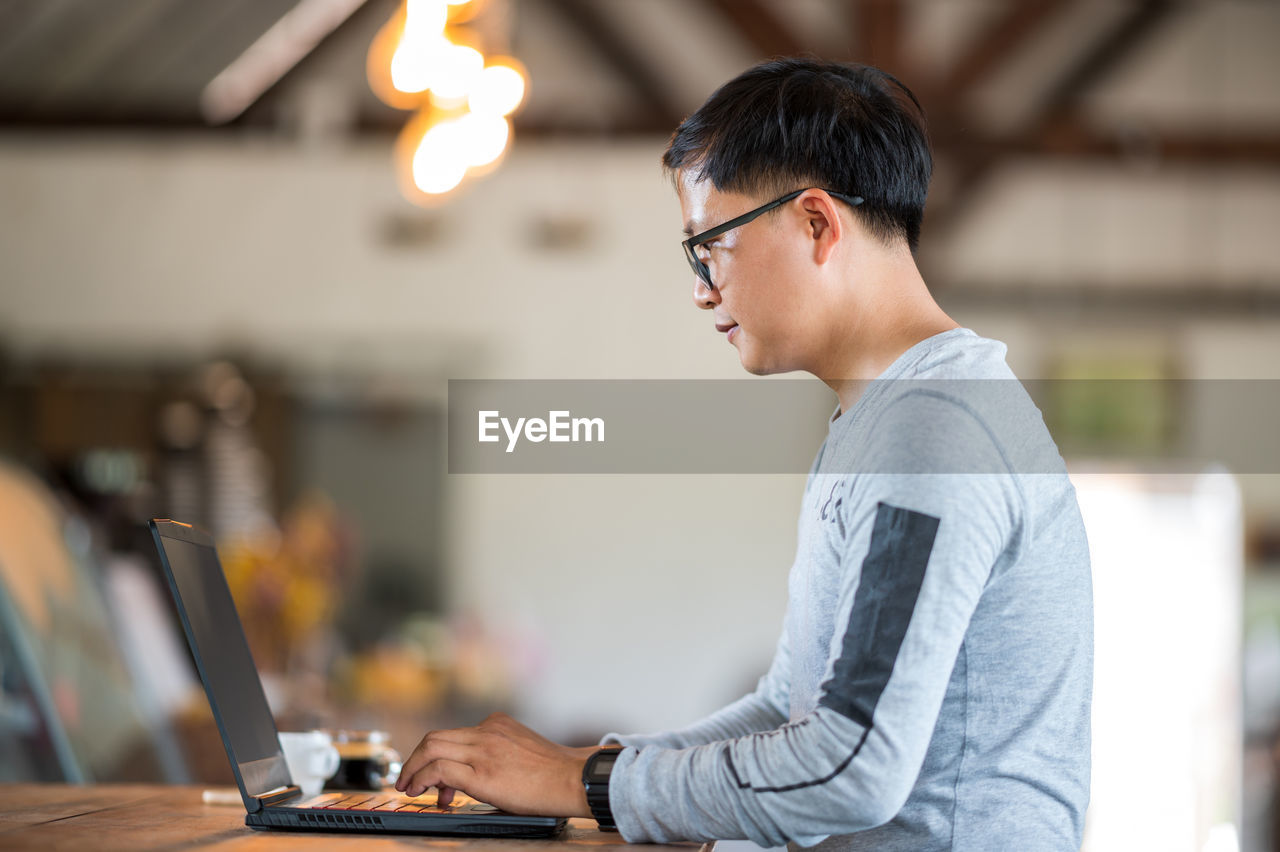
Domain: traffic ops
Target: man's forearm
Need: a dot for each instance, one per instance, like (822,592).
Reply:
(747,715)
(802,782)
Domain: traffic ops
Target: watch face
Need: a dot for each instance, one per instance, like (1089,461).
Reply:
(602,766)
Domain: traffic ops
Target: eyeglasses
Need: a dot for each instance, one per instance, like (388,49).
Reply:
(700,269)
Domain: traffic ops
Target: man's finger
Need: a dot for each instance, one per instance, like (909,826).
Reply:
(436,744)
(442,774)
(454,735)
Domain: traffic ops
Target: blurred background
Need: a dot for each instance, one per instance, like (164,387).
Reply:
(221,301)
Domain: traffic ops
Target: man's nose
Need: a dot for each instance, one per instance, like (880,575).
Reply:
(703,296)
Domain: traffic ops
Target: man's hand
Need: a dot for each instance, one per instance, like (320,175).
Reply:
(500,762)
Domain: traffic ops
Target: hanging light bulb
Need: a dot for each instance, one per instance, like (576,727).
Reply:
(423,60)
(484,137)
(459,67)
(440,161)
(422,44)
(498,89)
(413,70)
(464,10)
(425,17)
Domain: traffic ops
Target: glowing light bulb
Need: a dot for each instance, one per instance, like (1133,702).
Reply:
(463,128)
(417,56)
(425,17)
(415,67)
(464,10)
(498,90)
(440,163)
(459,66)
(484,137)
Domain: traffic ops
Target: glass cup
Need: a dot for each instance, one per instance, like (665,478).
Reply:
(367,761)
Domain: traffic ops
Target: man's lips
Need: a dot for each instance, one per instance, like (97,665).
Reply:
(729,329)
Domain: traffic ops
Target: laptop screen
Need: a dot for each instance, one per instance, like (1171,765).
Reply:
(223,658)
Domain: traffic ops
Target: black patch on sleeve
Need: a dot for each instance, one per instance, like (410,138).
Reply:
(892,574)
(800,785)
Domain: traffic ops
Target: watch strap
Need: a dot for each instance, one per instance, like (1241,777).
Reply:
(595,779)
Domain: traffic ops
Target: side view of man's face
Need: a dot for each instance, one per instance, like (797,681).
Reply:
(764,300)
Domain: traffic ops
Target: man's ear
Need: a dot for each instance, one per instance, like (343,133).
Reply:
(822,217)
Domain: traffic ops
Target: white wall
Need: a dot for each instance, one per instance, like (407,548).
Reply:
(658,596)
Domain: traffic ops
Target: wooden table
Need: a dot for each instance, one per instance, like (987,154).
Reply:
(154,817)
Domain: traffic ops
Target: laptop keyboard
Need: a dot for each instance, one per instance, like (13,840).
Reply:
(392,802)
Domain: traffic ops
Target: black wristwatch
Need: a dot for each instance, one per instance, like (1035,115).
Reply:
(595,778)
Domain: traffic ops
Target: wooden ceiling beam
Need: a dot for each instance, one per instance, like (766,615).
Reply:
(767,33)
(1000,40)
(878,35)
(1074,139)
(1101,59)
(1166,299)
(636,124)
(629,59)
(1056,108)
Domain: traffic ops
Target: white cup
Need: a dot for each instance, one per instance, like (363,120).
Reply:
(311,757)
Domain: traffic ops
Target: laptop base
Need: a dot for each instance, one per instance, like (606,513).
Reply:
(461,825)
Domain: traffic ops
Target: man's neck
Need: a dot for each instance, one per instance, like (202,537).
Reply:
(883,323)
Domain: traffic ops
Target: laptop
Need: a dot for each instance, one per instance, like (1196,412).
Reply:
(271,799)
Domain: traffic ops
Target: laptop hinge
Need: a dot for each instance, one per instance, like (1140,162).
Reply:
(276,796)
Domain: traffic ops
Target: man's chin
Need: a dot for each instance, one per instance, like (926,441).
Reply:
(749,364)
(757,369)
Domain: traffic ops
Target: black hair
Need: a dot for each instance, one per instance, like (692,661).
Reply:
(794,122)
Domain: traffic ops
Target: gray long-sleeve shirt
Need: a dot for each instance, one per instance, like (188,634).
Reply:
(932,684)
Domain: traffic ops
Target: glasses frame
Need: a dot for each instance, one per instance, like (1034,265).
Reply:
(703,272)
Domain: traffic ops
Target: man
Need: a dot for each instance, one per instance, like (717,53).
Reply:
(931,687)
